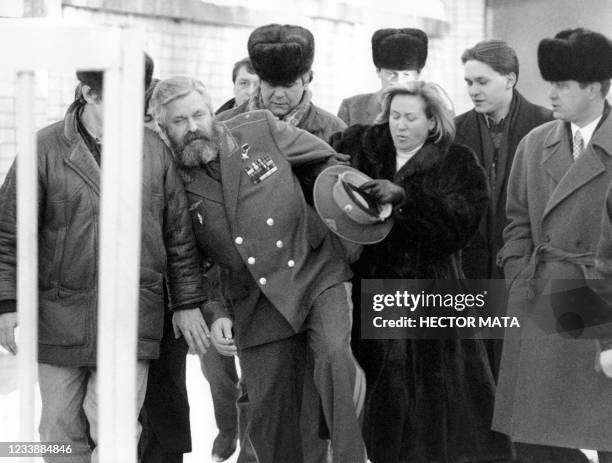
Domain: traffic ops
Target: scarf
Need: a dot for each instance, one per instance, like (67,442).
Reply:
(293,117)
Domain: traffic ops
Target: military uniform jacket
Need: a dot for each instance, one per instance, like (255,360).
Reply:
(275,254)
(548,390)
(316,120)
(360,109)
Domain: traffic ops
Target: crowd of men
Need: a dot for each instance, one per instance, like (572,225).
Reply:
(235,261)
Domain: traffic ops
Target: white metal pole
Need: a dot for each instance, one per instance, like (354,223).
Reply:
(27,251)
(120,235)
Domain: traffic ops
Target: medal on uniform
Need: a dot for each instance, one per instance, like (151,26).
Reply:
(244,151)
(260,169)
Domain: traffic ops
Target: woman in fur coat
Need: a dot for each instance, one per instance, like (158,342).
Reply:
(428,401)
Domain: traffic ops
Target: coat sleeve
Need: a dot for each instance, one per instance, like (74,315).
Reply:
(8,241)
(307,154)
(443,205)
(299,147)
(215,305)
(184,269)
(518,242)
(351,141)
(601,282)
(8,231)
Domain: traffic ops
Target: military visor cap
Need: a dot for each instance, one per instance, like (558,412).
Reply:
(348,210)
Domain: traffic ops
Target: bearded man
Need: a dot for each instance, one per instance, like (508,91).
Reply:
(284,274)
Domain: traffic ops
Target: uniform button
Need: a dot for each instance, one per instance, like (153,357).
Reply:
(238,240)
(270,221)
(247,116)
(291,263)
(251,260)
(262,281)
(279,244)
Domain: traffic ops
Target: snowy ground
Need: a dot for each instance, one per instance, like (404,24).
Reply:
(203,429)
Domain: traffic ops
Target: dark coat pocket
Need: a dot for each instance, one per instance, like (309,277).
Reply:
(62,317)
(151,306)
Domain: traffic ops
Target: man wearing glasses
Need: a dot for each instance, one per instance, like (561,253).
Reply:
(399,56)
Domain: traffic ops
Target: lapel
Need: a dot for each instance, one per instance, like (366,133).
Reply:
(513,132)
(204,186)
(310,122)
(231,166)
(80,159)
(571,175)
(372,106)
(84,164)
(468,134)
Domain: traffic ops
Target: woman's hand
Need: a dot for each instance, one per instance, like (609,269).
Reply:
(384,191)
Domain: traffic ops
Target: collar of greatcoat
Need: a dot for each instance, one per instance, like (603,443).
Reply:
(571,175)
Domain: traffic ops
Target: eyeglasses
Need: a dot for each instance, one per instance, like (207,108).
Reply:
(400,76)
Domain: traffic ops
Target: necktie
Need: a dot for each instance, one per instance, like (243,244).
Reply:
(578,145)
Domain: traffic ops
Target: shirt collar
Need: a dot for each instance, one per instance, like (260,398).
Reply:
(586,131)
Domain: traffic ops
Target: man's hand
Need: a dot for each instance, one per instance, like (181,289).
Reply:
(190,323)
(221,336)
(384,191)
(8,322)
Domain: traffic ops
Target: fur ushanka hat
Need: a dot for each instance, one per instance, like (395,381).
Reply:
(399,48)
(576,54)
(281,53)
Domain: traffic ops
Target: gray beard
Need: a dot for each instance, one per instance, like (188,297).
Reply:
(197,153)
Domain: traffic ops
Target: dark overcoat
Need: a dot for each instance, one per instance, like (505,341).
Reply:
(360,109)
(479,255)
(428,400)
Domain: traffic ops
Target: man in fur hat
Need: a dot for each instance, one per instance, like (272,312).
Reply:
(550,397)
(284,277)
(282,57)
(399,56)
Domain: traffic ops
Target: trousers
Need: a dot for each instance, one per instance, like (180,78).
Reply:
(274,376)
(70,407)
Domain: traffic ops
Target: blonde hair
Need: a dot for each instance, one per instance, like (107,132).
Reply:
(443,133)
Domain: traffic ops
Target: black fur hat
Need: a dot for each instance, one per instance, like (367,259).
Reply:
(399,48)
(281,53)
(576,54)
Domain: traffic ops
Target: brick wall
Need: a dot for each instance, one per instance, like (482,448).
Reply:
(203,40)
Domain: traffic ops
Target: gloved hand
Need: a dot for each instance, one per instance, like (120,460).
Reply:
(384,191)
